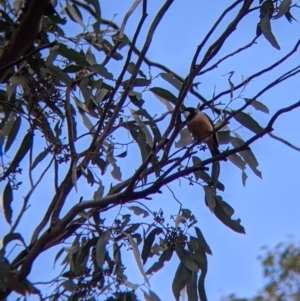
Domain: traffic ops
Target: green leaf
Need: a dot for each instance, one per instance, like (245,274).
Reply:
(283,8)
(136,98)
(148,244)
(71,55)
(201,287)
(166,97)
(209,198)
(72,69)
(223,137)
(101,248)
(184,140)
(191,288)
(215,173)
(59,253)
(96,5)
(142,127)
(244,178)
(121,42)
(247,155)
(223,213)
(131,67)
(202,244)
(90,177)
(7,200)
(186,258)
(138,82)
(237,161)
(152,124)
(170,78)
(257,105)
(247,121)
(40,157)
(101,70)
(139,211)
(75,15)
(265,25)
(122,155)
(137,258)
(60,75)
(165,256)
(182,277)
(201,174)
(22,151)
(12,134)
(69,285)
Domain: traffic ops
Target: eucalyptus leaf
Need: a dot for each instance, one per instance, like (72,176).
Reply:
(247,121)
(7,200)
(185,139)
(12,133)
(21,153)
(40,157)
(170,78)
(101,247)
(265,25)
(182,277)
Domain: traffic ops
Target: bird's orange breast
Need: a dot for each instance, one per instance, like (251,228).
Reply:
(199,127)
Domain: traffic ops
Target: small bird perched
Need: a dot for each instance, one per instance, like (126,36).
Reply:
(200,125)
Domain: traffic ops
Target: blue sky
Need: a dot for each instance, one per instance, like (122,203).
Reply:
(268,207)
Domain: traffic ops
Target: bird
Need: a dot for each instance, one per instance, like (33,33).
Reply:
(200,125)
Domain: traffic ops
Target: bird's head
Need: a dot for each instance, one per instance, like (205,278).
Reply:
(189,113)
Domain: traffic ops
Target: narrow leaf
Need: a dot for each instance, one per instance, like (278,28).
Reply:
(222,214)
(165,256)
(12,133)
(75,16)
(186,258)
(184,140)
(101,70)
(7,200)
(265,25)
(209,198)
(74,175)
(137,257)
(169,77)
(247,121)
(191,288)
(284,7)
(182,278)
(202,244)
(148,243)
(139,211)
(40,157)
(101,248)
(22,151)
(257,105)
(247,155)
(166,97)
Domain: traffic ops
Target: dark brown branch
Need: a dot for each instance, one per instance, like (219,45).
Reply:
(211,31)
(227,56)
(297,148)
(24,36)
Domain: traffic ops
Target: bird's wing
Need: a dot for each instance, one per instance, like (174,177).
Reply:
(215,135)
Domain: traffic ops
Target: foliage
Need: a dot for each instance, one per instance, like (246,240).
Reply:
(76,107)
(281,269)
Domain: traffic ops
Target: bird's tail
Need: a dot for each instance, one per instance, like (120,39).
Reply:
(214,150)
